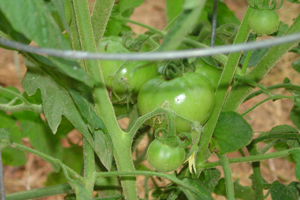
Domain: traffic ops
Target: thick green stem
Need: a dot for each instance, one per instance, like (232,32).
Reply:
(241,90)
(228,178)
(100,16)
(222,89)
(89,166)
(103,106)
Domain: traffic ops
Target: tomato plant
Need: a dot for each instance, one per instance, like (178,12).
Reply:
(190,96)
(163,157)
(119,106)
(264,22)
(122,77)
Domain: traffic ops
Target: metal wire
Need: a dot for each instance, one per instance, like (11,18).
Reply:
(214,24)
(151,55)
(2,188)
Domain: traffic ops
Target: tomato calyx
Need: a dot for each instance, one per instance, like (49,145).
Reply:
(265,4)
(176,68)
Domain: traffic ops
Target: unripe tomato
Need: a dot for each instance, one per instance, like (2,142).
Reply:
(190,96)
(211,73)
(133,74)
(165,158)
(264,22)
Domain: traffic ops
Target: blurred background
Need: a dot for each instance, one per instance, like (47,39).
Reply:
(151,12)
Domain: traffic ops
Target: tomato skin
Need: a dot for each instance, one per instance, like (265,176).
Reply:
(190,96)
(132,76)
(264,22)
(210,72)
(165,158)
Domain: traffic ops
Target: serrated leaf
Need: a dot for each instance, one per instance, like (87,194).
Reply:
(128,4)
(66,70)
(11,156)
(280,191)
(39,27)
(295,116)
(232,132)
(199,190)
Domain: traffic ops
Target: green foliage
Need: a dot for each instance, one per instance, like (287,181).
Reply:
(232,132)
(281,191)
(63,94)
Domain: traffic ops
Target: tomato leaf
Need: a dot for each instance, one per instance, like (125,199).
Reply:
(39,27)
(296,65)
(5,135)
(295,115)
(210,178)
(199,189)
(182,26)
(103,142)
(173,8)
(232,132)
(296,156)
(11,156)
(127,4)
(240,192)
(72,157)
(281,129)
(39,134)
(287,192)
(56,100)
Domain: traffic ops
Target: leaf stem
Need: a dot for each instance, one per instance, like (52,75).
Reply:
(228,178)
(145,173)
(49,159)
(275,97)
(246,62)
(41,192)
(15,94)
(287,86)
(21,107)
(251,158)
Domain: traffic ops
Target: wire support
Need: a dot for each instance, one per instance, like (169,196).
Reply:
(151,55)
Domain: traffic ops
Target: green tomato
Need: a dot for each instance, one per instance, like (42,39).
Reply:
(128,79)
(190,96)
(211,73)
(264,22)
(164,158)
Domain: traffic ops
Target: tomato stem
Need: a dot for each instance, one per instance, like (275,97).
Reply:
(228,178)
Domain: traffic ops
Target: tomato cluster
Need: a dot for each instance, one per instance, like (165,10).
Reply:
(190,96)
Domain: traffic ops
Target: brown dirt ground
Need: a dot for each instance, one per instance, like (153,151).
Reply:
(270,114)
